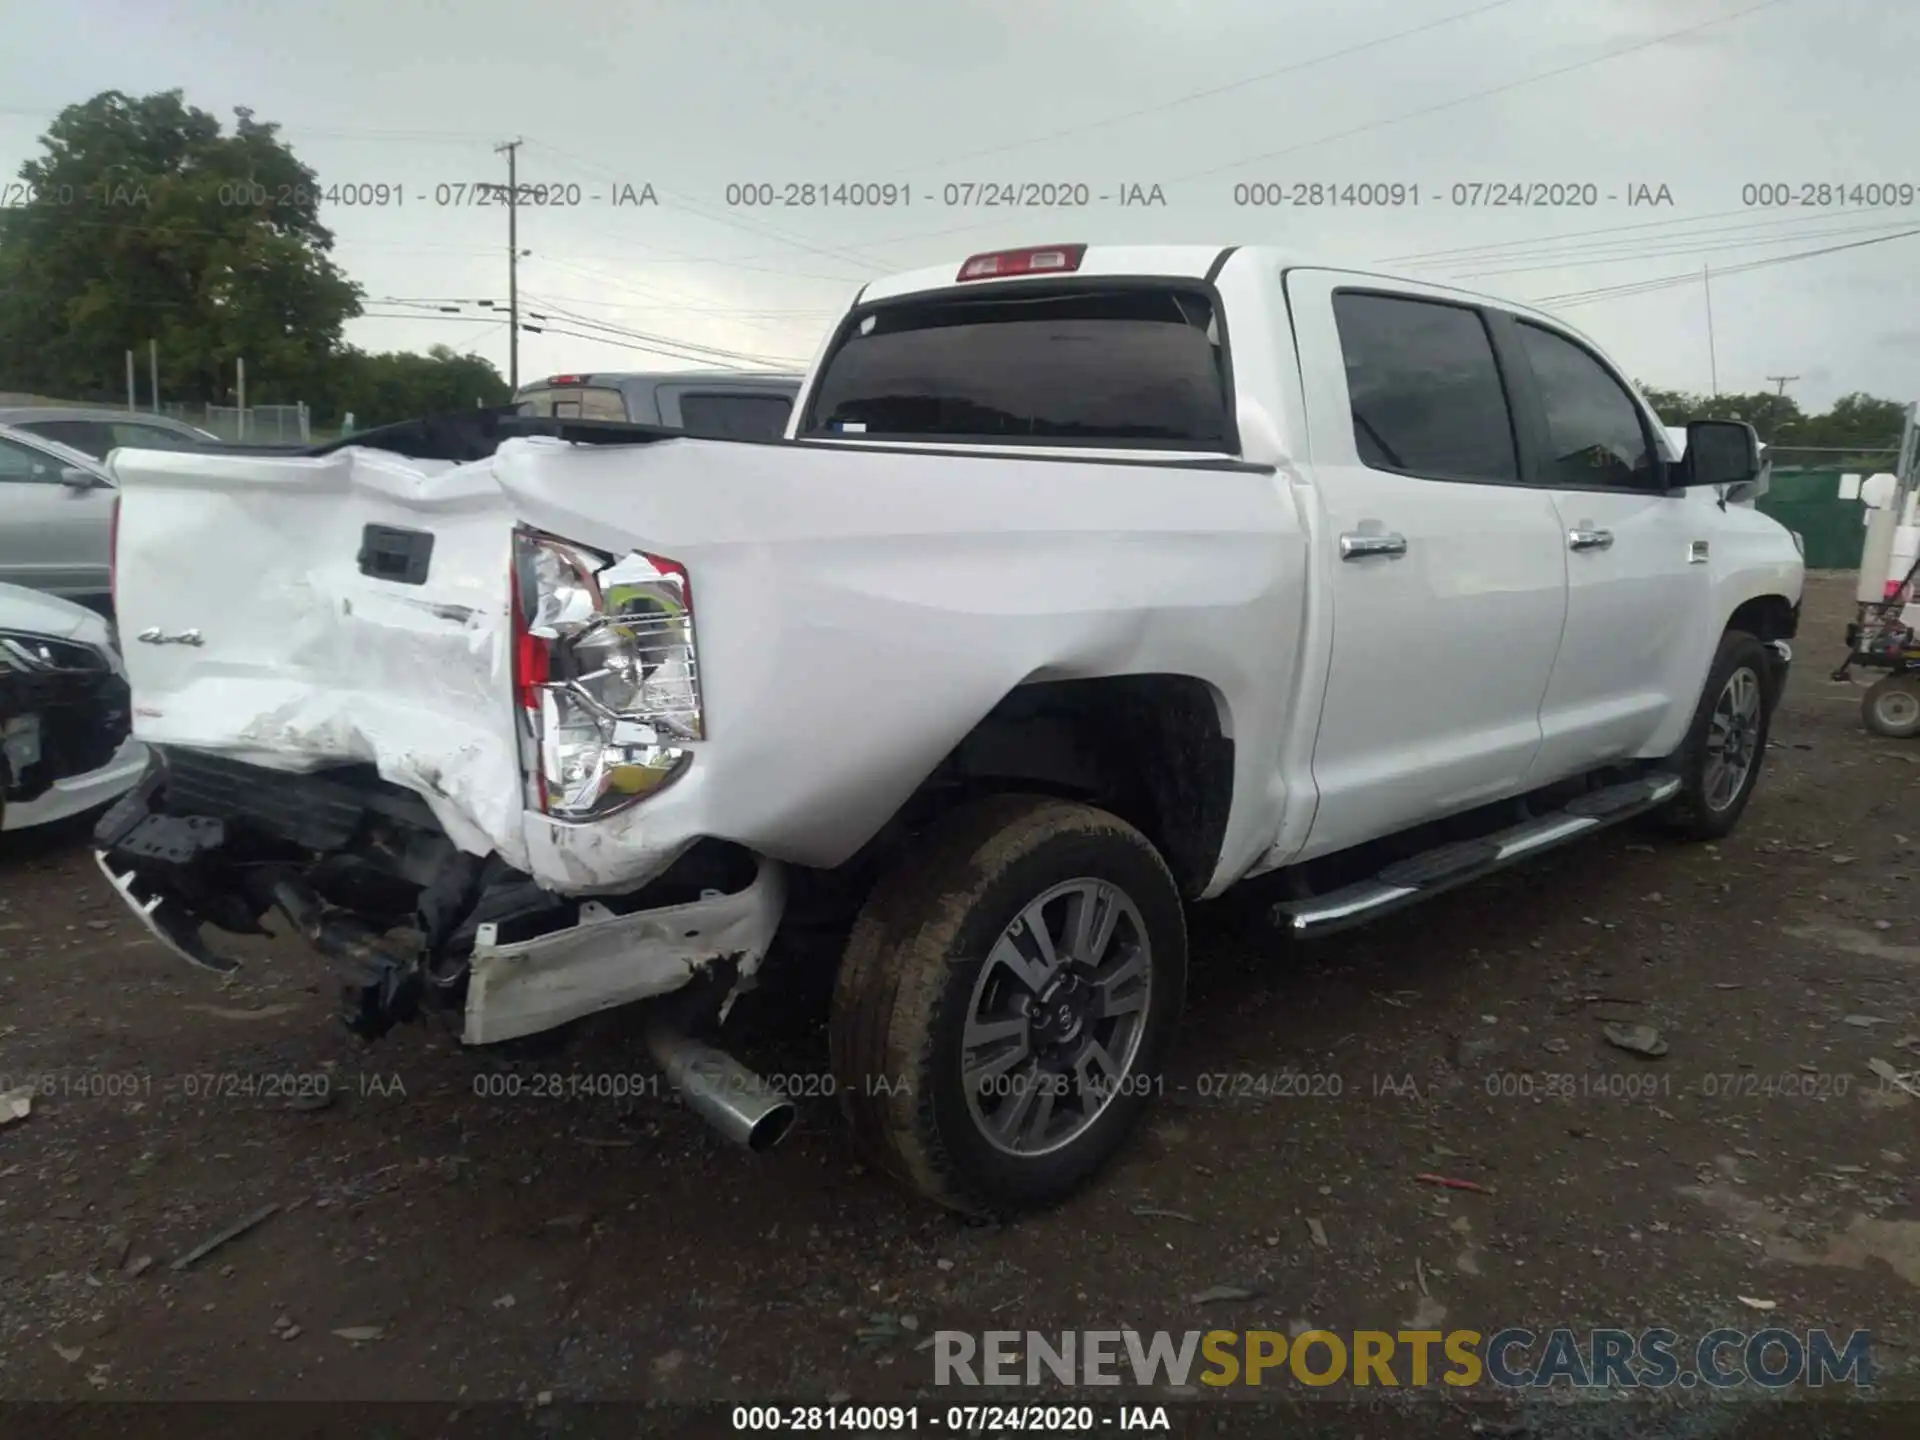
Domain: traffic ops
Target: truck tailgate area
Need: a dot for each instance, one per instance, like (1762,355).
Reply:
(264,621)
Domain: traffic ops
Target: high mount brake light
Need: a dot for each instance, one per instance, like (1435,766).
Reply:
(605,675)
(1035,260)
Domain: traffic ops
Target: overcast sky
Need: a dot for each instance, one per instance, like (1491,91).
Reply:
(1704,97)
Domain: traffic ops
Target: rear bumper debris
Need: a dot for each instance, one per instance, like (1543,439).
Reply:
(607,959)
(409,921)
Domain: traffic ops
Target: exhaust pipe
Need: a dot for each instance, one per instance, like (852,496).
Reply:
(722,1091)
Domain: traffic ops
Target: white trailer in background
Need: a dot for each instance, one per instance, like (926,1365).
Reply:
(1885,634)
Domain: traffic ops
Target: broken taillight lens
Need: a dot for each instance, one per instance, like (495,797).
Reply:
(606,674)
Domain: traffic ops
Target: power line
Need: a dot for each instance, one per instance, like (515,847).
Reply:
(546,329)
(604,282)
(1386,122)
(664,344)
(1192,96)
(1421,256)
(622,344)
(1522,248)
(1583,260)
(1665,282)
(668,257)
(462,137)
(731,310)
(692,207)
(437,319)
(689,345)
(1491,91)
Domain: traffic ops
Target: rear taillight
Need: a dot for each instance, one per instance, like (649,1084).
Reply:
(1034,260)
(530,667)
(605,674)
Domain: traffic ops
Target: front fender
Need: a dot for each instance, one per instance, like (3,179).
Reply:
(1753,557)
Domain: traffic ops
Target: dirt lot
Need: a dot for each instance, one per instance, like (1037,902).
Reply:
(594,1246)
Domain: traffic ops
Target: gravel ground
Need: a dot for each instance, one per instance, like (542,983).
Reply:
(503,1229)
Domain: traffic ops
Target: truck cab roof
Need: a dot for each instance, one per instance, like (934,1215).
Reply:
(1174,262)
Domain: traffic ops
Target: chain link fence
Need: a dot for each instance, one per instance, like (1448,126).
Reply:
(258,424)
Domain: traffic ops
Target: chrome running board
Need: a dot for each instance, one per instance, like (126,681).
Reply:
(1458,863)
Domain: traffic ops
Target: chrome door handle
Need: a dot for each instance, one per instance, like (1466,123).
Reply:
(1358,547)
(1589,539)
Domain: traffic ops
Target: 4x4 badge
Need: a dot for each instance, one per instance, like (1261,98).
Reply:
(161,637)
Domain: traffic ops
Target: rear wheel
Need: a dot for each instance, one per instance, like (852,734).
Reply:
(1891,706)
(1719,763)
(1006,1001)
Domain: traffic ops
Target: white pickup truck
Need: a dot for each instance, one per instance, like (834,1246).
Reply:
(1086,583)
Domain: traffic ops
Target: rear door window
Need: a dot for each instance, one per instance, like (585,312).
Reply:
(1424,389)
(736,415)
(1119,366)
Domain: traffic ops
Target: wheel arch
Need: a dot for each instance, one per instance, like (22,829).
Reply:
(1767,616)
(1156,750)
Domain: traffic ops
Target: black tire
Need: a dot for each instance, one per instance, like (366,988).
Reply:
(1694,813)
(909,983)
(1891,706)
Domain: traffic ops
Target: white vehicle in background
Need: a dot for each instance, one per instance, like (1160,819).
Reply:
(1087,583)
(65,731)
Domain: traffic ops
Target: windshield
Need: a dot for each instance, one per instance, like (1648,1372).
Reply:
(1133,365)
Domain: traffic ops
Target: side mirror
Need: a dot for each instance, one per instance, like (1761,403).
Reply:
(74,478)
(1719,452)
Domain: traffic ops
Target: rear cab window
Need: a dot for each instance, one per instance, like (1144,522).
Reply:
(574,402)
(734,415)
(1106,364)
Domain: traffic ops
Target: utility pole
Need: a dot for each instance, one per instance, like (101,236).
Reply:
(153,372)
(1713,362)
(1773,428)
(511,193)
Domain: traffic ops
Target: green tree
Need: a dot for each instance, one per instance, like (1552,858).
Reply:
(144,221)
(1855,420)
(1855,434)
(378,389)
(1762,409)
